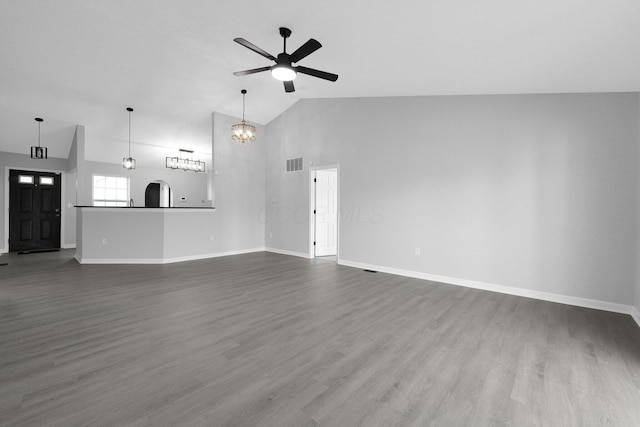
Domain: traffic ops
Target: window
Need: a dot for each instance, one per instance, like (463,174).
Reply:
(110,190)
(25,179)
(46,180)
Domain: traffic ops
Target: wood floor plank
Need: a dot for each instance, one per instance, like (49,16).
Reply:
(272,340)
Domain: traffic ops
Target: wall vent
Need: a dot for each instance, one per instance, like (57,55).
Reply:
(294,165)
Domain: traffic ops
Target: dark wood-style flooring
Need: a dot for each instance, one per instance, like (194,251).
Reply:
(272,340)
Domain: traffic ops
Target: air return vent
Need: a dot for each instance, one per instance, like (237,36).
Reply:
(294,165)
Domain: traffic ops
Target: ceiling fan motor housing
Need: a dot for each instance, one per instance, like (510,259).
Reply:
(285,32)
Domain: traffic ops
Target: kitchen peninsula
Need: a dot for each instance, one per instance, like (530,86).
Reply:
(139,235)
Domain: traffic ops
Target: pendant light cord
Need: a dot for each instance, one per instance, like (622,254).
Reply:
(129,134)
(244,93)
(39,152)
(129,109)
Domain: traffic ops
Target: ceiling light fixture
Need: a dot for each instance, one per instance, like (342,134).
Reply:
(283,72)
(38,152)
(185,164)
(243,132)
(129,162)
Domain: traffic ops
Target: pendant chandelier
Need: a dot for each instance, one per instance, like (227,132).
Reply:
(243,132)
(184,163)
(38,152)
(129,162)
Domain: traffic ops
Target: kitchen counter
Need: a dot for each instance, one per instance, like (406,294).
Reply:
(144,207)
(139,235)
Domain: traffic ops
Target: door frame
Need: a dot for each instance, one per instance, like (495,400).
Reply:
(312,204)
(63,200)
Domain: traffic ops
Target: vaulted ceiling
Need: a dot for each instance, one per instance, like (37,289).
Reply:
(83,62)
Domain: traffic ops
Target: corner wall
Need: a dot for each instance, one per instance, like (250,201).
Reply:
(238,188)
(636,314)
(536,193)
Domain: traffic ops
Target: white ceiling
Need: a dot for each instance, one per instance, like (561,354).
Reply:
(83,62)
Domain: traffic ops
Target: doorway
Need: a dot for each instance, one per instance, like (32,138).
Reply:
(34,210)
(324,224)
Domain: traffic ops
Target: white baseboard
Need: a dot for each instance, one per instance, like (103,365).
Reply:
(166,260)
(214,255)
(283,252)
(528,293)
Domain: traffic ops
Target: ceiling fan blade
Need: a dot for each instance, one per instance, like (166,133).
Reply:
(305,50)
(317,73)
(253,71)
(254,48)
(288,86)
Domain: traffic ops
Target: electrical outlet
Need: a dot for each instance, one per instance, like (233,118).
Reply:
(418,251)
(211,238)
(104,240)
(270,234)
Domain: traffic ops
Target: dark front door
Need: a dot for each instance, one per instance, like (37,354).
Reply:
(34,210)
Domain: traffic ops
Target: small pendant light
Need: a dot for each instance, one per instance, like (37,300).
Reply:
(243,132)
(129,162)
(38,152)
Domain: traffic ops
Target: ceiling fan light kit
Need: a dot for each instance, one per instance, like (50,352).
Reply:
(283,73)
(283,69)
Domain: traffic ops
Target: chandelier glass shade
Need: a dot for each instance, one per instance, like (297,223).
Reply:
(184,163)
(243,132)
(129,162)
(38,152)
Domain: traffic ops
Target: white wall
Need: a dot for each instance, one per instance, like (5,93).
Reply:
(238,187)
(83,185)
(637,290)
(537,192)
(69,210)
(129,234)
(71,185)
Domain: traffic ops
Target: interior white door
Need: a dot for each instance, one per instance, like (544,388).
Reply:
(326,212)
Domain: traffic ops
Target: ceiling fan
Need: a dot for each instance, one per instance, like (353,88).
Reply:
(283,69)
